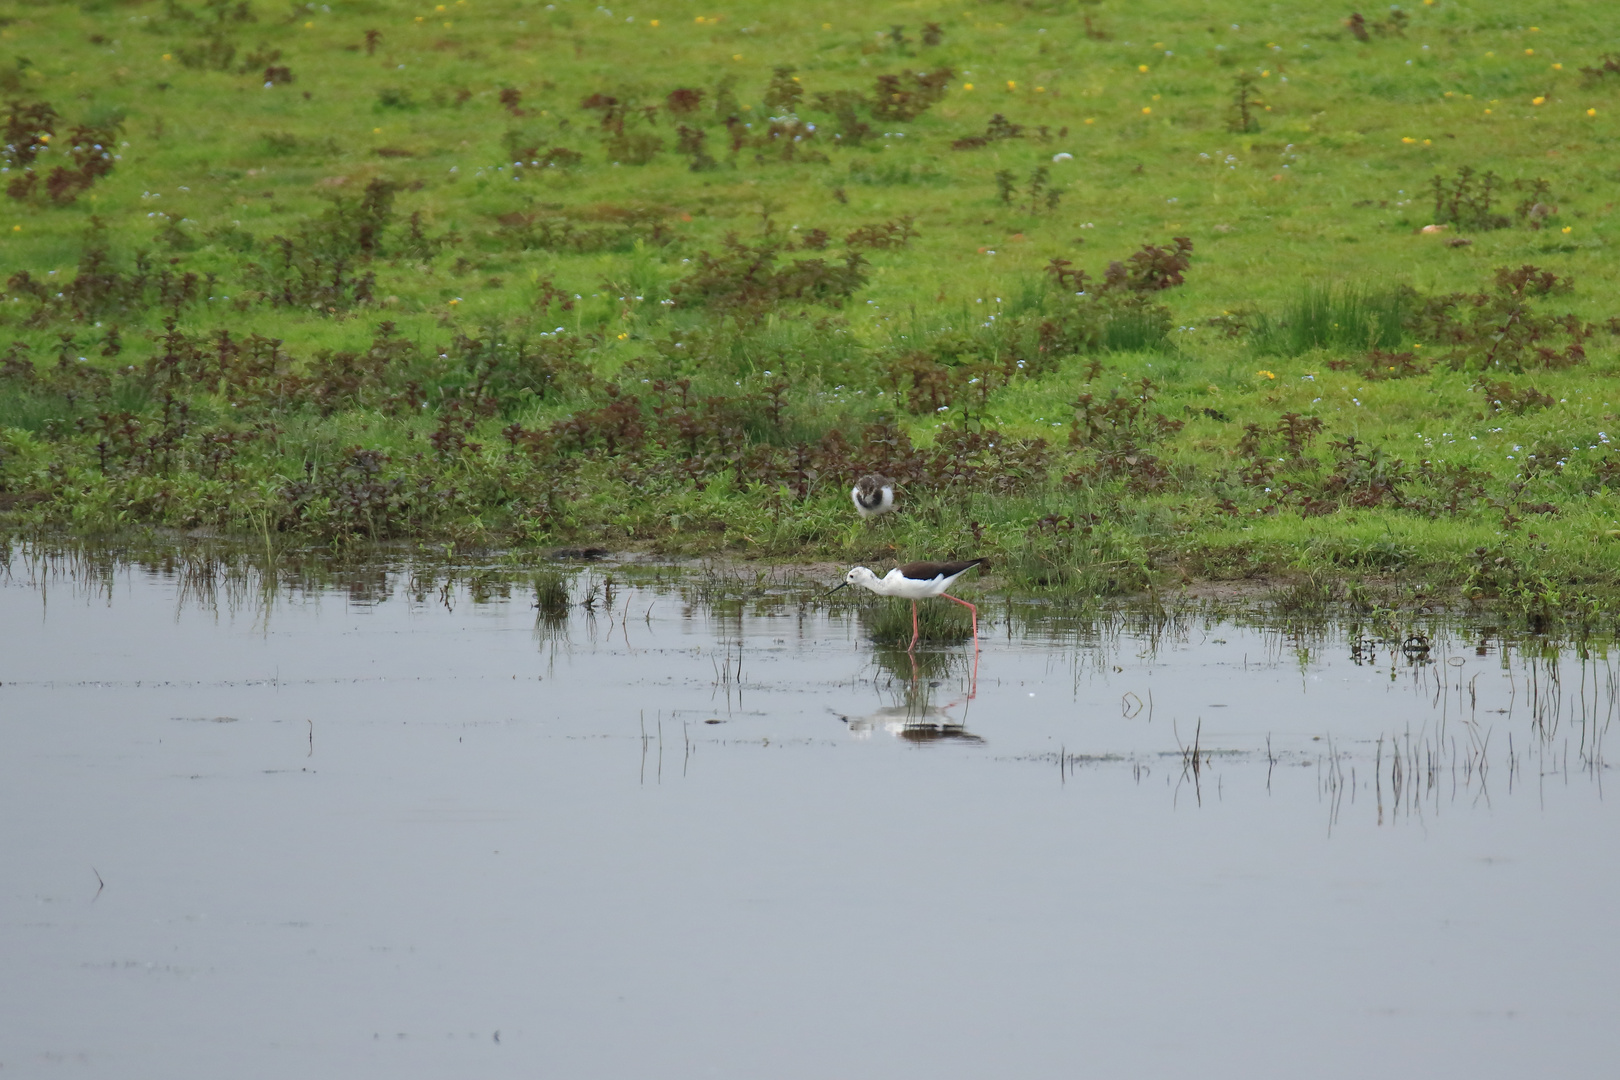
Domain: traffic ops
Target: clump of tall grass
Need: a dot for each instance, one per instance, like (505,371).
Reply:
(888,622)
(1102,564)
(1136,330)
(1328,316)
(551,598)
(883,174)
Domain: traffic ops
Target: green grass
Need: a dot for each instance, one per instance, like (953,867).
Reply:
(1306,255)
(1341,318)
(888,623)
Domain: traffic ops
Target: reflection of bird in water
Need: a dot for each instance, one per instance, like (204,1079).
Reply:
(873,495)
(913,724)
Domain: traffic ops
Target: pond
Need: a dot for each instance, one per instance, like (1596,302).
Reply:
(401,822)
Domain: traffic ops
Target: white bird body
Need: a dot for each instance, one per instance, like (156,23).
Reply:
(873,496)
(914,581)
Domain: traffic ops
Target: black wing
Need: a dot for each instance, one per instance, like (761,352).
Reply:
(928,571)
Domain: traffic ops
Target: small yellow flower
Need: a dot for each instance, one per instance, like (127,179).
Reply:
(439,8)
(967,86)
(45,138)
(1146,110)
(736,56)
(1489,55)
(376,131)
(447,24)
(1265,74)
(623,336)
(309,26)
(1040,89)
(826,26)
(1428,142)
(1093,119)
(1558,67)
(1155,97)
(1143,68)
(419,18)
(1535,29)
(1529,52)
(16,228)
(1566,230)
(1538,101)
(653,23)
(1265,375)
(166,56)
(1487,112)
(456,301)
(1450,92)
(1011,85)
(1591,112)
(1408,139)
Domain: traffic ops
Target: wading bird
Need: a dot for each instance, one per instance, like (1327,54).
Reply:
(873,495)
(916,581)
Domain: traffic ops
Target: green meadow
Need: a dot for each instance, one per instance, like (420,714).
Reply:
(1122,295)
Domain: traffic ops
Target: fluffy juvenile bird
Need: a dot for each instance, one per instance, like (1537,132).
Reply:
(873,495)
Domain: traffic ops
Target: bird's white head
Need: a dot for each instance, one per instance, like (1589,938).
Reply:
(858,575)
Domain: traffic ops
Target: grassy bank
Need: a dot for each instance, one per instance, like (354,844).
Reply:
(1123,296)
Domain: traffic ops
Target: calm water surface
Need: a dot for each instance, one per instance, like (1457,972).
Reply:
(397,832)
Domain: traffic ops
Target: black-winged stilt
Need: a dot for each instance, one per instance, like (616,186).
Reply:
(916,581)
(873,495)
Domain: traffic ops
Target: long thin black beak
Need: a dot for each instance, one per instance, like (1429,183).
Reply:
(836,588)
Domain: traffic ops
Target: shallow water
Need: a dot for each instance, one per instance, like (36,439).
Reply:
(391,831)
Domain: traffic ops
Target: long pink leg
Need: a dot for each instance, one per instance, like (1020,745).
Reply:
(915,631)
(975,612)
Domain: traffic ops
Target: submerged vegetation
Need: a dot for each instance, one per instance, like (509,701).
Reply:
(1122,297)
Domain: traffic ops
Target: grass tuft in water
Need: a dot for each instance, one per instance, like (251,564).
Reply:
(940,622)
(551,595)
